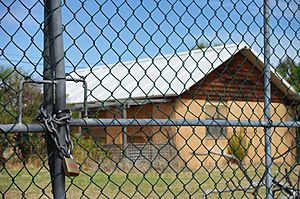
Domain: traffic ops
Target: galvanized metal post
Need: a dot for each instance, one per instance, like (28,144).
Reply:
(79,128)
(48,93)
(124,132)
(267,101)
(56,62)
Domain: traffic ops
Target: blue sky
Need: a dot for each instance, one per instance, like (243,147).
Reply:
(113,31)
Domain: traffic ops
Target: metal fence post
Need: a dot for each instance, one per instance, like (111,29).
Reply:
(48,91)
(56,62)
(267,101)
(124,132)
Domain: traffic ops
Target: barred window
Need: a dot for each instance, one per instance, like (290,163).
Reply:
(216,111)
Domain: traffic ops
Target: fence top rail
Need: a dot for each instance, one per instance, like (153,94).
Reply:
(38,127)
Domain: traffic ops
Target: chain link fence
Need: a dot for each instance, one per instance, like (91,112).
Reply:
(170,98)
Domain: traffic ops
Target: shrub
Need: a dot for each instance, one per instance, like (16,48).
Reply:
(238,145)
(87,145)
(23,145)
(3,147)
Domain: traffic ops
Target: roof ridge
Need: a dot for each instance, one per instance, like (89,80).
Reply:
(161,56)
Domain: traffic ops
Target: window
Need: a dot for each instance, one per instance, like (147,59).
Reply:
(216,111)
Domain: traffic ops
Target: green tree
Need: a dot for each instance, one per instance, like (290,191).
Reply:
(201,45)
(290,70)
(23,143)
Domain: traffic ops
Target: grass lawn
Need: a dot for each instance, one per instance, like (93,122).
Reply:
(35,183)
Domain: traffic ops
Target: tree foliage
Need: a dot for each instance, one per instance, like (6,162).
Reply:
(290,70)
(201,45)
(23,143)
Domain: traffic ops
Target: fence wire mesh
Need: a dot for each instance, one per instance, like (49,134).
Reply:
(169,98)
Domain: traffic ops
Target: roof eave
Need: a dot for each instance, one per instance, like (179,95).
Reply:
(276,78)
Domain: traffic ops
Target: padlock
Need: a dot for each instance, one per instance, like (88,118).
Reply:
(70,167)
